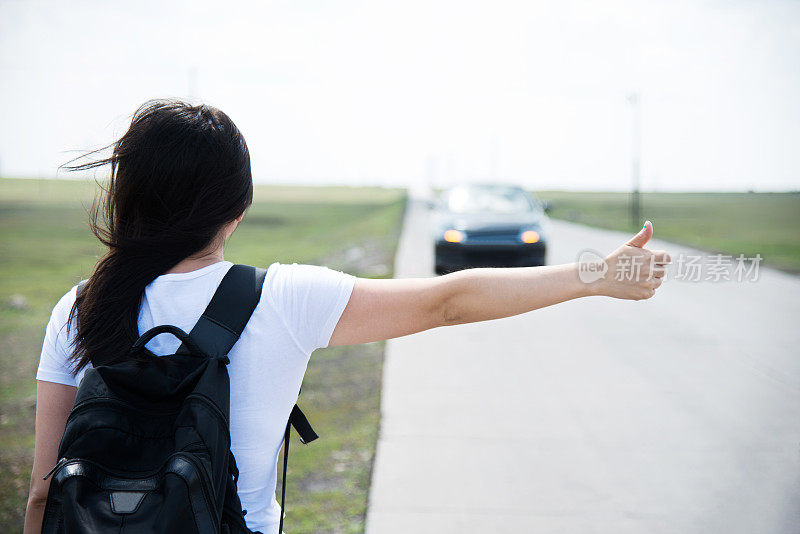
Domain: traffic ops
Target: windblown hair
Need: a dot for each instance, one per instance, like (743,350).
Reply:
(178,176)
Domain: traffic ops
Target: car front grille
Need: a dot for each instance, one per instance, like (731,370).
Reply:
(493,235)
(492,258)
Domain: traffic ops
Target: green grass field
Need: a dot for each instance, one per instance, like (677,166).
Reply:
(45,248)
(731,223)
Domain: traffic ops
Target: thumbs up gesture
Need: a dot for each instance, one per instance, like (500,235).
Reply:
(644,235)
(634,272)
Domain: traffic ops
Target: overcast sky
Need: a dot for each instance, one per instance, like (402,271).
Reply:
(397,92)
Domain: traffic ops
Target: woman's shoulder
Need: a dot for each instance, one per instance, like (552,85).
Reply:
(294,278)
(54,364)
(278,269)
(64,305)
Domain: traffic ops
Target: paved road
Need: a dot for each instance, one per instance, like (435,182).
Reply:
(676,415)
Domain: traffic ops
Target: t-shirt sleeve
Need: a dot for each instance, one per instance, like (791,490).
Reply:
(54,363)
(311,300)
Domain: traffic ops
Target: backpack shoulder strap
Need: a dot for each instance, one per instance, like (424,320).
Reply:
(220,326)
(225,317)
(297,419)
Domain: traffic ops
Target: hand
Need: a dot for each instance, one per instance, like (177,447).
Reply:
(634,272)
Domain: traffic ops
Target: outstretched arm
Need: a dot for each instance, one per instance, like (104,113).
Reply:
(384,309)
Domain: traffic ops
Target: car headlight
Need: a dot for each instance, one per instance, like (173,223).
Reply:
(529,236)
(453,236)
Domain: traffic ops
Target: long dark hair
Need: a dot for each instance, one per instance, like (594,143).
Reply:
(178,176)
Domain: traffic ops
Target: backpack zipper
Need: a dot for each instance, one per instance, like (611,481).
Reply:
(55,468)
(211,404)
(110,400)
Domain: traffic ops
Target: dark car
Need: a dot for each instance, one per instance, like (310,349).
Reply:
(488,225)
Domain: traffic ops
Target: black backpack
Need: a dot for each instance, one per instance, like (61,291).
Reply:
(146,447)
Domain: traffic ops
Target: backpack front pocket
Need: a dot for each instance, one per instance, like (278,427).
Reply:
(90,498)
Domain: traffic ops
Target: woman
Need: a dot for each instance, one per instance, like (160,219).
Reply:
(180,184)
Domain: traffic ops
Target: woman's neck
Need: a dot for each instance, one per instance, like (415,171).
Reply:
(197,261)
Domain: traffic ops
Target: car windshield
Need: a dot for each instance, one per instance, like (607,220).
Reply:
(487,199)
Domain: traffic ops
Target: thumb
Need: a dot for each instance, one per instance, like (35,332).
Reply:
(644,235)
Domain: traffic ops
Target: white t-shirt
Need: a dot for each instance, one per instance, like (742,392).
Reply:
(299,308)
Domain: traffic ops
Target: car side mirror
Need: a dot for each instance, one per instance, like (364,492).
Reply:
(547,206)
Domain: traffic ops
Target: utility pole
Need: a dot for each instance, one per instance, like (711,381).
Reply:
(635,208)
